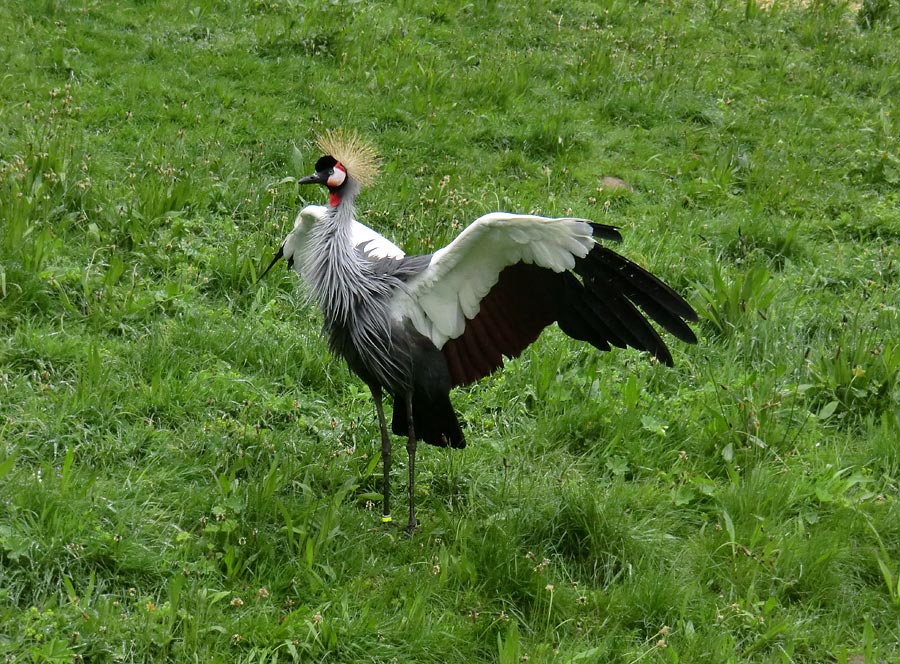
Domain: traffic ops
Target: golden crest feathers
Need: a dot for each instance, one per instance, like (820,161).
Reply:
(357,156)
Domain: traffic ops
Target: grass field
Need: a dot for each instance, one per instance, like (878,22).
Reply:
(186,474)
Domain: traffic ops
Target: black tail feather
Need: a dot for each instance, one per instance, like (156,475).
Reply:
(434,420)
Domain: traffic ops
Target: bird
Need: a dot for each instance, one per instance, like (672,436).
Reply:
(416,326)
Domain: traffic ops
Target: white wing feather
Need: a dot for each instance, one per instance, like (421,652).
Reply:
(296,244)
(440,299)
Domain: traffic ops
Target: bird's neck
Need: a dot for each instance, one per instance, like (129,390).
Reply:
(343,195)
(333,268)
(353,298)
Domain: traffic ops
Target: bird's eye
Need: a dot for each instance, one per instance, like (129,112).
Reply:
(337,177)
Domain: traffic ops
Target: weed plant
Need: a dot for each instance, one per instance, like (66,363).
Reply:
(187,474)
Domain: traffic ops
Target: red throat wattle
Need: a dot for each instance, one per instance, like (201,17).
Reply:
(336,179)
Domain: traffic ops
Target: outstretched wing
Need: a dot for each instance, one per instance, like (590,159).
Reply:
(450,290)
(491,292)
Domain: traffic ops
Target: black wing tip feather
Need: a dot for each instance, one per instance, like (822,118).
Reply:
(278,256)
(604,318)
(644,281)
(613,287)
(664,356)
(606,232)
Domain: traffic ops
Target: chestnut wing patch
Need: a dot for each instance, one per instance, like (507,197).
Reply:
(512,315)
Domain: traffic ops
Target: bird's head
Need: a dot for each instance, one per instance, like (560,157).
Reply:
(347,164)
(329,172)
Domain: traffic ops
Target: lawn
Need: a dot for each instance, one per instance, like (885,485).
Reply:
(187,474)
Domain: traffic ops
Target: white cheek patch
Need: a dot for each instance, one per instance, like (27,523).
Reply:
(338,175)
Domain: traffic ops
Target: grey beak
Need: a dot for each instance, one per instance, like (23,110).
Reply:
(315,178)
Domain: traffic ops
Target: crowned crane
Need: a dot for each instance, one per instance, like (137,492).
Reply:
(417,326)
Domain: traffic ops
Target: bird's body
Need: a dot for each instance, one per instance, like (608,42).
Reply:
(416,326)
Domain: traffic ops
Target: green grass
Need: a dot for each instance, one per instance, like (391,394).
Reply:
(186,474)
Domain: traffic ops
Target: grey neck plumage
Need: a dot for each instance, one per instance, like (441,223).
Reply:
(353,298)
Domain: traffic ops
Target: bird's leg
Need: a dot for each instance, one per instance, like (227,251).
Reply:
(385,454)
(411,450)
